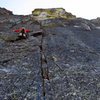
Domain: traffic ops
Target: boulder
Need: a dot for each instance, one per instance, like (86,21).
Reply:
(96,21)
(53,13)
(4,11)
(81,23)
(86,27)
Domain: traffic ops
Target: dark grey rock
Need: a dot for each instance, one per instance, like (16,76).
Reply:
(20,70)
(96,21)
(8,36)
(52,23)
(72,65)
(60,60)
(4,11)
(83,24)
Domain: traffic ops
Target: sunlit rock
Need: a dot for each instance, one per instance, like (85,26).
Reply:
(53,13)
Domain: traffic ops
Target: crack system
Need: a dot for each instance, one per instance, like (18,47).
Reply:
(44,68)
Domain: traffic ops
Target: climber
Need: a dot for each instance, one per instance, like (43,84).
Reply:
(22,32)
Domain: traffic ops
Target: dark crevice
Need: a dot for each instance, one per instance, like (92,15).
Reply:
(37,34)
(44,60)
(5,61)
(40,47)
(44,68)
(42,73)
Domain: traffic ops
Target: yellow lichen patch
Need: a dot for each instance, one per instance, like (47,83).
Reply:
(53,13)
(54,58)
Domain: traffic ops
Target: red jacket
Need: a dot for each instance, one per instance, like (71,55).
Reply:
(20,30)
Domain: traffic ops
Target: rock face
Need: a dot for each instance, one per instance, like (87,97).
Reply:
(59,61)
(4,11)
(54,13)
(96,21)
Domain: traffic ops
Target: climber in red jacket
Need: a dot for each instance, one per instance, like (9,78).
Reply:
(22,32)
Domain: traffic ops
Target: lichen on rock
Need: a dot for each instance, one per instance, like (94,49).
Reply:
(51,13)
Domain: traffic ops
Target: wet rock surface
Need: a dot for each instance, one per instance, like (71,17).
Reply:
(60,60)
